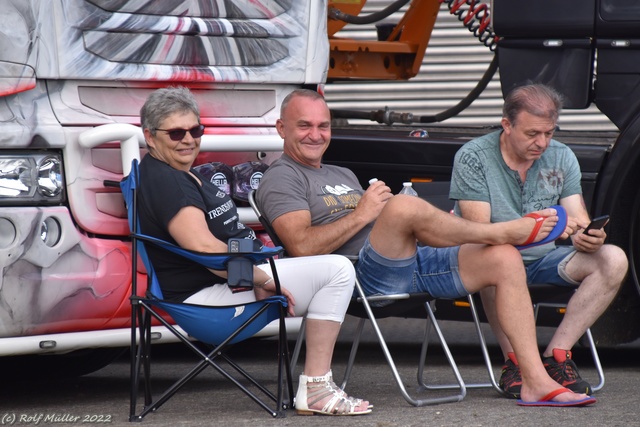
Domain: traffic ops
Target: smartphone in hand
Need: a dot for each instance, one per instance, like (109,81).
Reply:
(597,223)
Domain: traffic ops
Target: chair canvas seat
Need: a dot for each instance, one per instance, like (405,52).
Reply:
(213,329)
(227,319)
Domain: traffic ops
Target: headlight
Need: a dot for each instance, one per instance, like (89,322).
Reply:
(31,178)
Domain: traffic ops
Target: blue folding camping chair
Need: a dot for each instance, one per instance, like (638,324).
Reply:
(217,326)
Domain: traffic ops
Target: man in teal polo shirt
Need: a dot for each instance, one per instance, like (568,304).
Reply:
(521,169)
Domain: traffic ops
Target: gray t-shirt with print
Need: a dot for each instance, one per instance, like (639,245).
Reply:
(328,193)
(481,174)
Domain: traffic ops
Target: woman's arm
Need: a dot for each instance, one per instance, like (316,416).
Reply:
(189,229)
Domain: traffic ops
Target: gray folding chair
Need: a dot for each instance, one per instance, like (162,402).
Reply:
(469,302)
(398,305)
(543,296)
(437,193)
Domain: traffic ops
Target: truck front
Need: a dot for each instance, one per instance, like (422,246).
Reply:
(71,66)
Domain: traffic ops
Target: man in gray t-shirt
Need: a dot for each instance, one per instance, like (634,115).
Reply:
(318,209)
(520,169)
(328,193)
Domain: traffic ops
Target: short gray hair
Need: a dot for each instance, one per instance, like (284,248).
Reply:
(165,102)
(535,98)
(305,93)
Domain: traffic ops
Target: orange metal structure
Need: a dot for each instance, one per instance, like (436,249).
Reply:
(397,58)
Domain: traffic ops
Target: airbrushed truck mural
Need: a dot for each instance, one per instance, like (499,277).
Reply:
(72,71)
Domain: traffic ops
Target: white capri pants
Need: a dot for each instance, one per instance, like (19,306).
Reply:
(322,287)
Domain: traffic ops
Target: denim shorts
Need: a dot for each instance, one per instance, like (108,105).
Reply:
(431,270)
(551,268)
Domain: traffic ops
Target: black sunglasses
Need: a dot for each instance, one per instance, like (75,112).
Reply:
(178,134)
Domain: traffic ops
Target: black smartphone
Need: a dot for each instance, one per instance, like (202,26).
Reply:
(597,223)
(239,269)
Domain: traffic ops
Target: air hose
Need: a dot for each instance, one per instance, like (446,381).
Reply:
(390,117)
(339,15)
(476,18)
(467,100)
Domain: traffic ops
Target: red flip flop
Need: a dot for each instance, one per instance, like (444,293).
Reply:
(557,231)
(546,400)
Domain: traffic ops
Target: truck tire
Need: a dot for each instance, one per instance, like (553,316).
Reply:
(621,322)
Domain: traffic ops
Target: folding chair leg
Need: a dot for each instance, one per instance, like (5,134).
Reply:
(383,345)
(596,361)
(291,364)
(354,350)
(284,368)
(140,362)
(135,351)
(145,337)
(423,355)
(485,355)
(299,342)
(209,360)
(485,352)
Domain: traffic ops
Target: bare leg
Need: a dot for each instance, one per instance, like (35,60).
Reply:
(406,219)
(501,267)
(488,296)
(321,336)
(600,274)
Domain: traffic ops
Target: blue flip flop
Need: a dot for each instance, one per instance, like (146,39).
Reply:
(546,400)
(555,233)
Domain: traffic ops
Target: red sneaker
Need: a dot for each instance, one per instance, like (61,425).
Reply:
(564,371)
(510,379)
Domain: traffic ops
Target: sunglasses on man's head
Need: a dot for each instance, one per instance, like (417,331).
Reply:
(178,134)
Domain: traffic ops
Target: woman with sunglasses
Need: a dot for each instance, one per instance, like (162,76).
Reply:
(180,206)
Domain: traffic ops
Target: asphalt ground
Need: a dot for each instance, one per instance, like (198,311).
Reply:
(102,397)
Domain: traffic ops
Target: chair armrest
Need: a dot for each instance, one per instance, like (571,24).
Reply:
(217,260)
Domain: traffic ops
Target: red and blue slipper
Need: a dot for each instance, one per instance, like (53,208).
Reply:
(546,400)
(556,232)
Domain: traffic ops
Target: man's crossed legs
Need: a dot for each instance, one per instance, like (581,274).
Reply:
(486,259)
(596,277)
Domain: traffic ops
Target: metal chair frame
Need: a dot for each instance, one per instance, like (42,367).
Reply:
(360,307)
(487,359)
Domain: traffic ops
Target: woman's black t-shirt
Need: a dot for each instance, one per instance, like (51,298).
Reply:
(163,192)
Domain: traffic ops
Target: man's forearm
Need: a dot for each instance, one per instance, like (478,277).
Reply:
(319,239)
